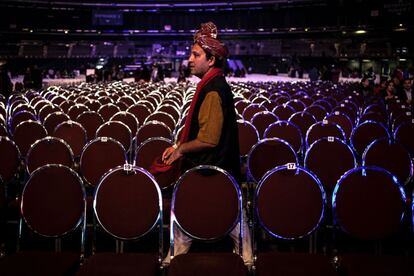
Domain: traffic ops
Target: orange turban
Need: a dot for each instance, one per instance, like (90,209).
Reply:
(206,37)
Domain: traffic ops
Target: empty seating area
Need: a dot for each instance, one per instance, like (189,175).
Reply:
(327,182)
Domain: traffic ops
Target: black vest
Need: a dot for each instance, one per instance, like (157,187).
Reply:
(226,154)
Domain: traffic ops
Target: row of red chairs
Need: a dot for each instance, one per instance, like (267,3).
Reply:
(290,204)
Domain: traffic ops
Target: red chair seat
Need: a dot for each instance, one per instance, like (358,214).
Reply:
(205,264)
(40,263)
(296,264)
(125,264)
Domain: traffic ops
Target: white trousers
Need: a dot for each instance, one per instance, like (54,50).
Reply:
(182,242)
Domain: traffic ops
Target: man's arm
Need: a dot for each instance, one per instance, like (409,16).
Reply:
(210,120)
(171,154)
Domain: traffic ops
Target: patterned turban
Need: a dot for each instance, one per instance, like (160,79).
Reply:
(206,37)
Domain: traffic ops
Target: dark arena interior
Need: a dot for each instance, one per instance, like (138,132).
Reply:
(97,96)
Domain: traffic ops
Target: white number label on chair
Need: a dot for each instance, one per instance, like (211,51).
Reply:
(291,166)
(408,113)
(331,138)
(324,122)
(127,167)
(104,139)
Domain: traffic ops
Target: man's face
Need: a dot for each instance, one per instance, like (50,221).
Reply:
(198,62)
(407,84)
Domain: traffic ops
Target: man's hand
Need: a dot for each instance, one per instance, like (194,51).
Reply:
(171,154)
(167,153)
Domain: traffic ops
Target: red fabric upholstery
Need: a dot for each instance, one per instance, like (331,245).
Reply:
(289,203)
(117,130)
(72,133)
(368,207)
(366,133)
(91,121)
(207,265)
(268,154)
(127,204)
(98,157)
(53,120)
(393,157)
(148,152)
(206,204)
(40,263)
(152,129)
(52,201)
(26,134)
(46,151)
(9,158)
(248,136)
(361,265)
(322,159)
(126,264)
(293,264)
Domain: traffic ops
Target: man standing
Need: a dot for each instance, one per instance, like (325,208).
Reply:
(406,93)
(210,135)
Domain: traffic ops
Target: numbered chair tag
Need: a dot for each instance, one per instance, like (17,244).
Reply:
(291,166)
(127,167)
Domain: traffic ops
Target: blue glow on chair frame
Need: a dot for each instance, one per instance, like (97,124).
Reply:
(238,220)
(364,170)
(298,169)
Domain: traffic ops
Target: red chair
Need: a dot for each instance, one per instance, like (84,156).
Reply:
(404,134)
(163,117)
(322,159)
(248,136)
(323,129)
(128,119)
(118,131)
(287,131)
(289,205)
(251,110)
(77,109)
(365,133)
(171,109)
(317,111)
(53,206)
(20,117)
(140,111)
(3,130)
(91,121)
(302,120)
(296,104)
(99,156)
(9,159)
(108,110)
(268,154)
(152,129)
(72,133)
(343,121)
(369,205)
(53,120)
(206,206)
(26,134)
(48,150)
(393,157)
(46,110)
(263,120)
(146,154)
(127,212)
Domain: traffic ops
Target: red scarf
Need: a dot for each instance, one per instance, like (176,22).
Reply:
(214,72)
(158,166)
